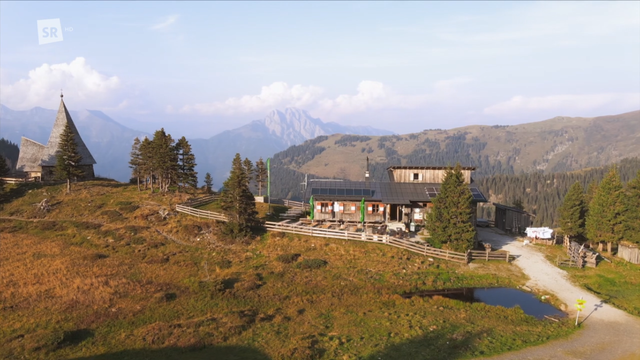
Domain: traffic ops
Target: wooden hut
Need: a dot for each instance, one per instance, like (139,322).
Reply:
(37,161)
(511,219)
(629,252)
(402,199)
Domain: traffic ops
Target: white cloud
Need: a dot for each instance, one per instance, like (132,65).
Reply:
(566,104)
(278,94)
(80,82)
(370,95)
(165,22)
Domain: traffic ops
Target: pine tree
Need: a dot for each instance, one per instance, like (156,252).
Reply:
(248,168)
(605,218)
(450,219)
(572,212)
(68,158)
(135,163)
(187,176)
(4,171)
(237,202)
(164,159)
(146,158)
(208,182)
(261,175)
(632,210)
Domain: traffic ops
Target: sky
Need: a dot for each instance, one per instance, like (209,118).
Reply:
(204,67)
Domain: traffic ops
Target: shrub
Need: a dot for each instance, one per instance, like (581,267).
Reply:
(287,258)
(128,208)
(311,264)
(111,215)
(223,264)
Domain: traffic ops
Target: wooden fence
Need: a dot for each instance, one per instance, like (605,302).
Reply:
(296,204)
(201,213)
(419,247)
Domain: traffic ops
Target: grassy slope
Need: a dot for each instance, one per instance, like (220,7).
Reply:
(86,282)
(617,283)
(581,142)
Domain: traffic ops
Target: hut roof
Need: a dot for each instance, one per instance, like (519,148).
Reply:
(49,154)
(30,155)
(386,192)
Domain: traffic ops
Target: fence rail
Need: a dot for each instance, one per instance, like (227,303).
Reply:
(201,213)
(414,246)
(489,255)
(296,204)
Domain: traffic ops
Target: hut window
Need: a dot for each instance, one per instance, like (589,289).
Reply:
(349,208)
(375,208)
(325,207)
(416,176)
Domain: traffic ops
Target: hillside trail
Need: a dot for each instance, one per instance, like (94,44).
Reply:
(606,332)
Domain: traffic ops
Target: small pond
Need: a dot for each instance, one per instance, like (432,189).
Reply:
(505,297)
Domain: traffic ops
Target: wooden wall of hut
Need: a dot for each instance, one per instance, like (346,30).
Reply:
(423,175)
(629,252)
(511,221)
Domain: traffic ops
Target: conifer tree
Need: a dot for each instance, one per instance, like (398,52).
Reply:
(4,171)
(68,158)
(208,182)
(146,157)
(136,163)
(261,175)
(449,221)
(632,211)
(237,202)
(164,159)
(572,212)
(248,168)
(605,218)
(187,176)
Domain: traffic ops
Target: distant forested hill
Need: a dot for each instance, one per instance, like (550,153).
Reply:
(10,151)
(542,194)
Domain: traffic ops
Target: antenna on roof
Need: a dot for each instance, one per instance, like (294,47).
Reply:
(61,96)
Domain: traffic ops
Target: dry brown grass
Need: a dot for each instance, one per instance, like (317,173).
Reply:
(88,286)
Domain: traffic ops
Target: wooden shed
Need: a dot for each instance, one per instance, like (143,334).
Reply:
(629,252)
(511,219)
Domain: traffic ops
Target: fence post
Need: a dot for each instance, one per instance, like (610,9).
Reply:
(507,256)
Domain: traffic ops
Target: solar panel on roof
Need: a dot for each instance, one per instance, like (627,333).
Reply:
(340,192)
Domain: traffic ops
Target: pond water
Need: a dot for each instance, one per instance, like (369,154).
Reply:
(505,297)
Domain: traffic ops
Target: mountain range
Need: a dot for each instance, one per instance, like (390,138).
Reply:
(110,142)
(554,145)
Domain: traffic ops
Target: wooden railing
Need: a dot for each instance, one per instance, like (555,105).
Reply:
(201,200)
(295,204)
(419,247)
(489,255)
(201,213)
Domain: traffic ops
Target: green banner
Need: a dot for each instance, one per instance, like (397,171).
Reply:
(312,208)
(362,210)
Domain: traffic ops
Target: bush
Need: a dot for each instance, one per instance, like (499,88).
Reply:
(128,208)
(111,215)
(311,264)
(287,258)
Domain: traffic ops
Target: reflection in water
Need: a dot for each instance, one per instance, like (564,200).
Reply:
(505,297)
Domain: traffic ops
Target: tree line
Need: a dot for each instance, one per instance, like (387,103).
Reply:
(163,162)
(542,194)
(608,212)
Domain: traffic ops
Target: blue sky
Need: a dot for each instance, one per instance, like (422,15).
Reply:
(203,67)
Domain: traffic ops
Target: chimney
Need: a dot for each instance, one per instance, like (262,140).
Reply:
(366,173)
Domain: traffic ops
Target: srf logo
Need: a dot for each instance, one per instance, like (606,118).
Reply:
(49,31)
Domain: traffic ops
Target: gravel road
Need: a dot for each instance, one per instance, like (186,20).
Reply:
(607,333)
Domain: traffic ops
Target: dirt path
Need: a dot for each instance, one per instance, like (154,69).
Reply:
(607,333)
